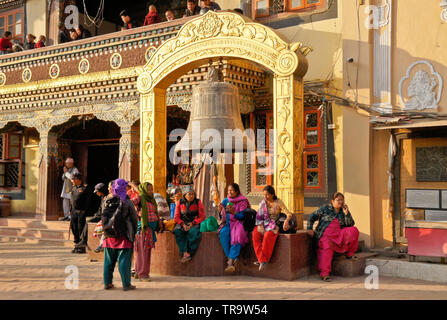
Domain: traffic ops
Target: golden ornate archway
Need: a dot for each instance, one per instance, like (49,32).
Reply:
(226,34)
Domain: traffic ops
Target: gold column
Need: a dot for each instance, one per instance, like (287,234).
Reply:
(153,139)
(288,124)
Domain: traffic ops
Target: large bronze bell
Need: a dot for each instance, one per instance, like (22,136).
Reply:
(215,122)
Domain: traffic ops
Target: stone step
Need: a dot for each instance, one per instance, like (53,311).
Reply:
(392,267)
(349,267)
(32,240)
(18,222)
(25,215)
(35,233)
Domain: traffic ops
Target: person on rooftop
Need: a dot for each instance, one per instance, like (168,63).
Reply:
(208,5)
(192,8)
(169,14)
(152,16)
(128,22)
(5,43)
(30,42)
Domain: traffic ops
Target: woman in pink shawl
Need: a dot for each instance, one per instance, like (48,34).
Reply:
(232,234)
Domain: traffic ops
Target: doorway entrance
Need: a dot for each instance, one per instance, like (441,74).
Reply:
(102,163)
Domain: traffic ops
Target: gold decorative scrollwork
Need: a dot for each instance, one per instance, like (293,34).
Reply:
(216,35)
(147,147)
(27,75)
(2,79)
(144,82)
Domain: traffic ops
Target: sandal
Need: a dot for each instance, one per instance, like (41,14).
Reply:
(256,263)
(148,279)
(109,286)
(185,259)
(131,287)
(326,279)
(230,269)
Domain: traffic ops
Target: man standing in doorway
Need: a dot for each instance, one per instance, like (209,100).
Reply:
(67,176)
(78,208)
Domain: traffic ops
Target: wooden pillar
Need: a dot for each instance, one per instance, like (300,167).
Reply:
(47,192)
(128,154)
(288,125)
(153,126)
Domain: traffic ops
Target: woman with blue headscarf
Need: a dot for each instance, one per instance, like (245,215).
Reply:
(120,225)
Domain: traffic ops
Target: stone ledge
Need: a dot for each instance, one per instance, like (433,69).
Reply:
(291,258)
(410,270)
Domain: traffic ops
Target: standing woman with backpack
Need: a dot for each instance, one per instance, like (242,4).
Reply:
(145,238)
(119,220)
(232,234)
(269,223)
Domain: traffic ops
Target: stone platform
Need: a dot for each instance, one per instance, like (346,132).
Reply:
(290,260)
(293,258)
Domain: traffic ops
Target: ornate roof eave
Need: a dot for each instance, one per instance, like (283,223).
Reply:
(71,80)
(10,4)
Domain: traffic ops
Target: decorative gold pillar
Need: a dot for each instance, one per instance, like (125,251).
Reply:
(153,122)
(288,124)
(47,194)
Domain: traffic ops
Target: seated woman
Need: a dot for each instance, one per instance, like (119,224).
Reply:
(335,232)
(145,238)
(232,234)
(189,213)
(268,226)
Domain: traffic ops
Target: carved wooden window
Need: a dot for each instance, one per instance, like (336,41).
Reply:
(261,8)
(262,164)
(302,4)
(312,129)
(313,151)
(264,8)
(10,161)
(13,21)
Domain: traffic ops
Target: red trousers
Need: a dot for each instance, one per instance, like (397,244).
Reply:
(264,244)
(338,240)
(142,256)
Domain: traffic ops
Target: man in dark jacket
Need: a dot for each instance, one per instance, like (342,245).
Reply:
(128,22)
(78,207)
(101,191)
(192,8)
(63,36)
(30,42)
(82,32)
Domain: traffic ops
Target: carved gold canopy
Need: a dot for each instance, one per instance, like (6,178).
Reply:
(224,34)
(227,35)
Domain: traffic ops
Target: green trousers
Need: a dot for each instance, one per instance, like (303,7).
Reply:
(124,258)
(188,241)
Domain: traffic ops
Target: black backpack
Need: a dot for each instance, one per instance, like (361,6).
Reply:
(249,219)
(112,218)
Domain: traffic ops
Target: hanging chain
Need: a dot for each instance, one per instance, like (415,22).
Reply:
(99,18)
